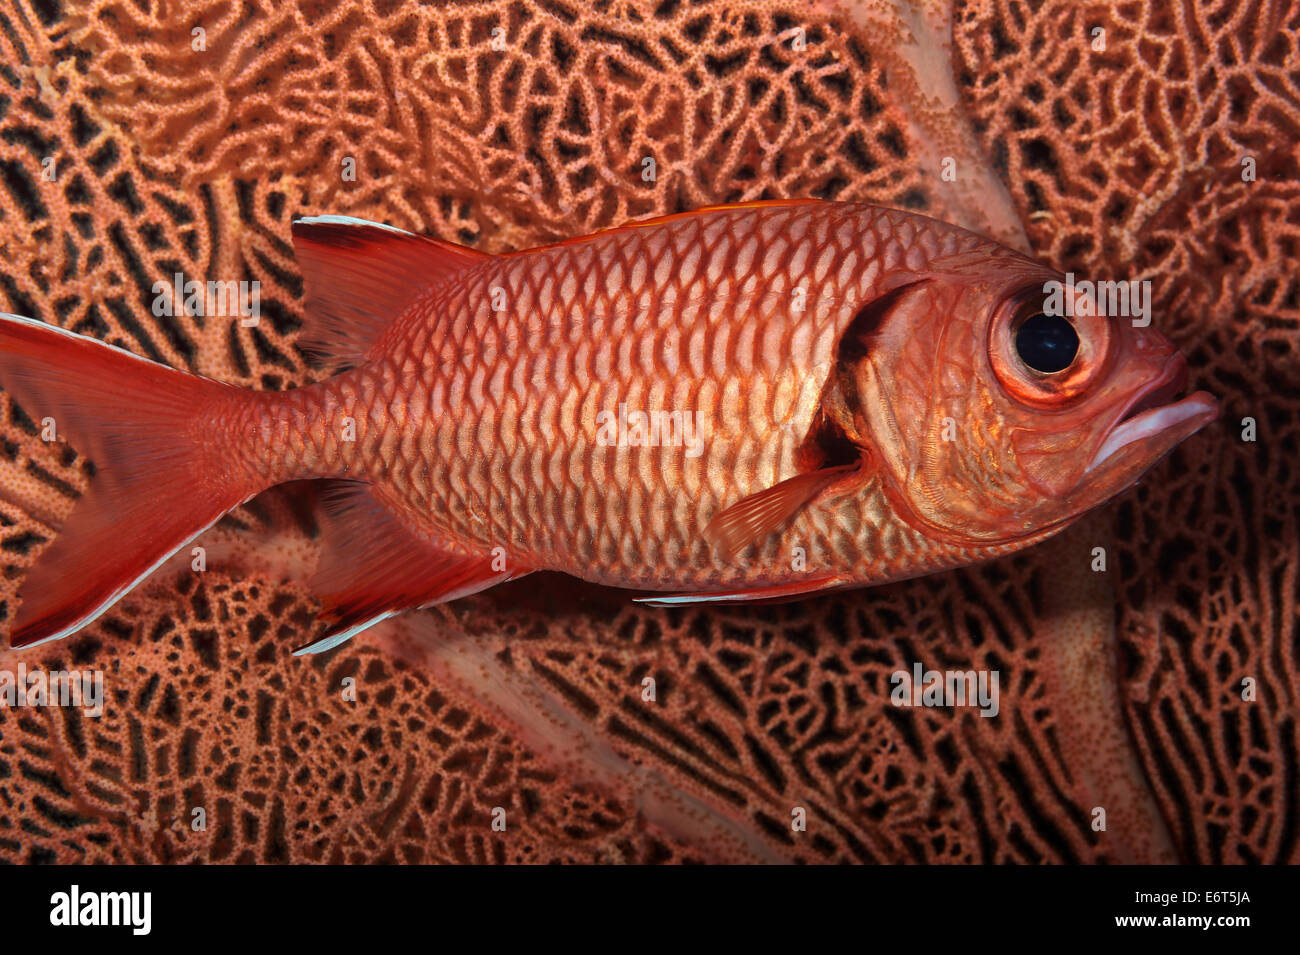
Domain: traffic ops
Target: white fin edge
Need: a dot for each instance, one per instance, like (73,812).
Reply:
(350,220)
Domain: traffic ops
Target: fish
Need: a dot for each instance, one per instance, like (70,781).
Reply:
(747,403)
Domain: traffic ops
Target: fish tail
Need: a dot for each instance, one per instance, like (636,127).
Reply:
(162,475)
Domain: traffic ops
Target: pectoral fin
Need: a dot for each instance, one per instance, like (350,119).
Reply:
(753,518)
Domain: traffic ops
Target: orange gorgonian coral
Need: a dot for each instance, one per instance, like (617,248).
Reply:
(1139,140)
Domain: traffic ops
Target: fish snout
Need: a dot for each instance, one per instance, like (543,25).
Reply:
(1155,417)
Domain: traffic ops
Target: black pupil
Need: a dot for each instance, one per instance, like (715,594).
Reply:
(1047,343)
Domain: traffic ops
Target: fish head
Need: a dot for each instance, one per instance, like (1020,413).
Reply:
(996,413)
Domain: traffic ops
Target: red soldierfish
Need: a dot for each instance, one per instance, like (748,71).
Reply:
(743,403)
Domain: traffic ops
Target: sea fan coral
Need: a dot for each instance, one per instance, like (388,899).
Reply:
(139,140)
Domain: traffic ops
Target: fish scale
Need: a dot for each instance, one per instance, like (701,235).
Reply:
(513,460)
(821,351)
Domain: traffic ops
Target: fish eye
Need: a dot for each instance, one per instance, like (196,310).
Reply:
(1042,358)
(1047,344)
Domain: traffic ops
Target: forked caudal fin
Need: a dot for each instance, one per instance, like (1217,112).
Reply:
(162,476)
(154,490)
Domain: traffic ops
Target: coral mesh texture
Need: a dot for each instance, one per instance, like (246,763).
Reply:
(1122,162)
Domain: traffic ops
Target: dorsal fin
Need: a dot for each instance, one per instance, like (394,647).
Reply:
(636,224)
(361,275)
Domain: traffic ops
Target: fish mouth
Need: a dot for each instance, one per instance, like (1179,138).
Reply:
(1153,417)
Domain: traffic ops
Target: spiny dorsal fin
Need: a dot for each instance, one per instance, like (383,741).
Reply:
(361,275)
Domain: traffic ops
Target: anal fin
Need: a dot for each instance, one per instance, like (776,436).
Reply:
(775,593)
(375,565)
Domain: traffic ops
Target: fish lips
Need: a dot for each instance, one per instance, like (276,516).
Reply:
(1152,424)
